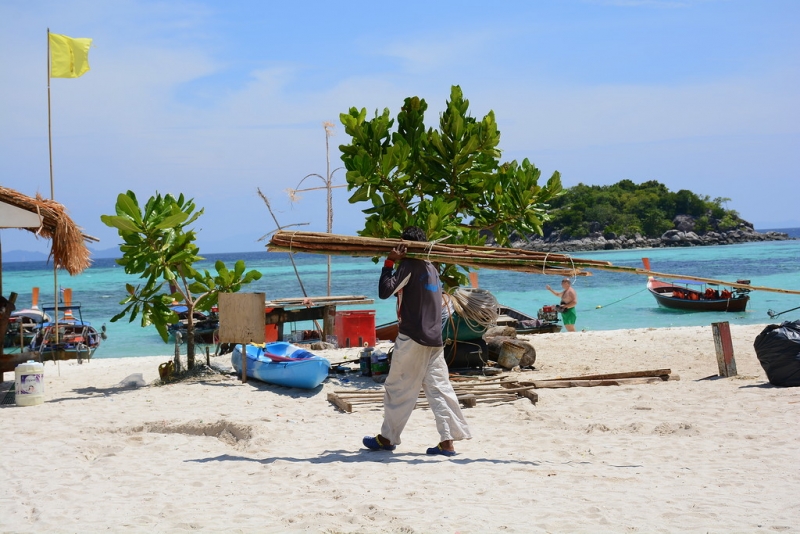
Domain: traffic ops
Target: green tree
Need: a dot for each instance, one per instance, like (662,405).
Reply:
(159,247)
(648,208)
(689,203)
(447,180)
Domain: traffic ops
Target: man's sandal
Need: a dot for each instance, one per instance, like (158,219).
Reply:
(439,450)
(376,444)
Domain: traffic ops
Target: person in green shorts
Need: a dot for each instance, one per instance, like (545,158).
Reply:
(569,299)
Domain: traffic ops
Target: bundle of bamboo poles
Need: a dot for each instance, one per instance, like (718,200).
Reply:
(506,259)
(477,257)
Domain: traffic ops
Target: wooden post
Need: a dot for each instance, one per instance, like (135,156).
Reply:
(724,346)
(5,315)
(328,322)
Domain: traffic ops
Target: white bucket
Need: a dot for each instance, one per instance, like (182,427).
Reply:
(29,383)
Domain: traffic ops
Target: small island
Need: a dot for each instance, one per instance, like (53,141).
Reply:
(626,215)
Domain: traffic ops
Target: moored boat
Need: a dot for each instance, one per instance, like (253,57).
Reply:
(68,338)
(205,325)
(282,364)
(22,324)
(690,295)
(546,321)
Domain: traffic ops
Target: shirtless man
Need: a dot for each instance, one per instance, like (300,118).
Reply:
(569,299)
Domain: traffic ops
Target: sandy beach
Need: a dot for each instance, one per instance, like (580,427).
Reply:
(698,454)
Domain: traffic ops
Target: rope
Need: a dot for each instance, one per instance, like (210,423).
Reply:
(623,298)
(574,276)
(430,245)
(477,307)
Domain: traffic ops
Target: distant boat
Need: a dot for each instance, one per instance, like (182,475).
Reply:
(205,325)
(68,338)
(282,364)
(22,324)
(690,295)
(546,321)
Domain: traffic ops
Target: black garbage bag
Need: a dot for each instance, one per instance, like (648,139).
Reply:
(778,350)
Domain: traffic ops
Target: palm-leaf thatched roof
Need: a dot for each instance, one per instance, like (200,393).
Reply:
(69,249)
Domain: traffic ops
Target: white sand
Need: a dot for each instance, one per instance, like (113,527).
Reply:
(694,455)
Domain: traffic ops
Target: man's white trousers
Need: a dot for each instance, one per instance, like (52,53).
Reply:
(416,366)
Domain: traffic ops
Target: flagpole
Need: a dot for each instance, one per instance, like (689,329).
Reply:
(49,122)
(52,187)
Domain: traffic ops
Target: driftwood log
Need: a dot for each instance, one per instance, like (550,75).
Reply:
(505,349)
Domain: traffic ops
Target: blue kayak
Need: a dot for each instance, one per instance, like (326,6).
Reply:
(282,364)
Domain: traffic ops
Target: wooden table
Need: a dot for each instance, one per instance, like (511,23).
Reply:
(291,310)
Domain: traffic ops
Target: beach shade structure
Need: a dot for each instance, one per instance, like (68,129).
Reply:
(69,250)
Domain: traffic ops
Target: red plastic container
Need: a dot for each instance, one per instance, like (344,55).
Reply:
(270,330)
(355,328)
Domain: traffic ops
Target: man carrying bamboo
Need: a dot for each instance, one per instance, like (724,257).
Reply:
(418,359)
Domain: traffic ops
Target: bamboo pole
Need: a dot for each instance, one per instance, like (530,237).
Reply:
(321,243)
(476,257)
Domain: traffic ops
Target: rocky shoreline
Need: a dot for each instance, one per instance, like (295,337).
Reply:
(681,236)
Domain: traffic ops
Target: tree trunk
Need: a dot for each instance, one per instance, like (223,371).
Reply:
(190,336)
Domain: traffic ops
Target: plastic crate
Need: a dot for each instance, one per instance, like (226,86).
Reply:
(355,328)
(270,330)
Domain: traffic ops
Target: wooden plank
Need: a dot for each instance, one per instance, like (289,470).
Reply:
(552,384)
(241,317)
(504,390)
(468,401)
(300,301)
(340,403)
(724,348)
(280,315)
(630,374)
(530,394)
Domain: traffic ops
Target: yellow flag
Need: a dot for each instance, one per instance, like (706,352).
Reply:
(69,58)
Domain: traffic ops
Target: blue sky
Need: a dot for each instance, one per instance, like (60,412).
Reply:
(214,99)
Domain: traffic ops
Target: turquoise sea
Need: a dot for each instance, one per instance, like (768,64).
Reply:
(607,301)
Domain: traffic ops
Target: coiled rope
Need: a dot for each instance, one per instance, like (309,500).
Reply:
(477,307)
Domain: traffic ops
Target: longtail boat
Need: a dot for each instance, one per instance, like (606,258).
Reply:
(690,295)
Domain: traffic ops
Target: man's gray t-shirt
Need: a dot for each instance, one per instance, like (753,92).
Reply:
(419,299)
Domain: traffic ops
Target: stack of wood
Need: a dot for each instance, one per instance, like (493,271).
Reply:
(499,389)
(506,259)
(469,394)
